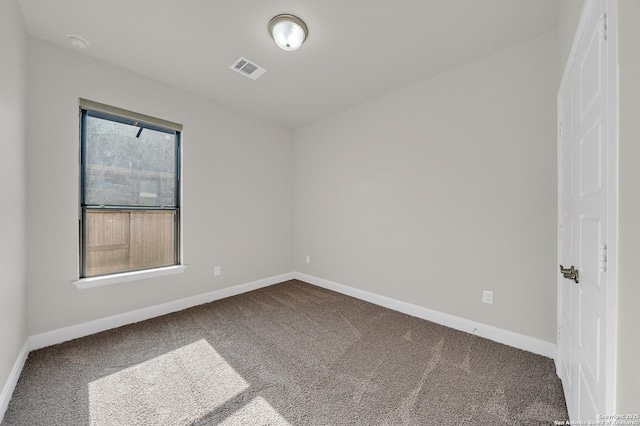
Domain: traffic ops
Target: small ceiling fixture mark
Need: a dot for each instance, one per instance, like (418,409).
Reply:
(77,42)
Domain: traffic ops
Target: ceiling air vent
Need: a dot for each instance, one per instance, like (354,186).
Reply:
(247,68)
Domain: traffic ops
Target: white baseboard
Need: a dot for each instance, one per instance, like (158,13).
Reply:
(12,380)
(60,335)
(496,334)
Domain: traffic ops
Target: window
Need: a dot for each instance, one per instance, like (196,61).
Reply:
(129,191)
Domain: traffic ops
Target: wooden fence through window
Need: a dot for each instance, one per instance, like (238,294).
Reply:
(128,241)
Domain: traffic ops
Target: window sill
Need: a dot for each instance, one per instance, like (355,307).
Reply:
(83,283)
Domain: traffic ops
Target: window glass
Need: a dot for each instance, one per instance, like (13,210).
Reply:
(128,165)
(129,194)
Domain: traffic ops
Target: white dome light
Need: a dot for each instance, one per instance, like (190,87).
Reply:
(77,41)
(288,31)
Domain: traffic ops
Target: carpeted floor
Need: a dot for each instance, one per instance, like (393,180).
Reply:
(292,354)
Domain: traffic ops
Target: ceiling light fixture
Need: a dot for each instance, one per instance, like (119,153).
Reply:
(288,31)
(77,41)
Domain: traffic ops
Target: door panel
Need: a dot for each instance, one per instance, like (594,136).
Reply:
(590,237)
(591,160)
(590,71)
(566,351)
(589,325)
(587,406)
(583,213)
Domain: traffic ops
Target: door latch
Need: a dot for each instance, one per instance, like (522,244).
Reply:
(570,273)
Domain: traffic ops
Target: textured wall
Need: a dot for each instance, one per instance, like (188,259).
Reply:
(443,189)
(13,70)
(237,190)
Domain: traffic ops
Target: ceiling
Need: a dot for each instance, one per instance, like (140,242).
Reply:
(356,51)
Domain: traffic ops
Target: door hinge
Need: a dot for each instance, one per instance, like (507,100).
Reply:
(559,334)
(559,232)
(603,257)
(560,128)
(603,27)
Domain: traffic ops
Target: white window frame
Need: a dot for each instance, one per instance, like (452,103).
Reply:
(152,122)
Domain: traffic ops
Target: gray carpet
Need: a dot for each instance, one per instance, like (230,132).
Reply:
(291,353)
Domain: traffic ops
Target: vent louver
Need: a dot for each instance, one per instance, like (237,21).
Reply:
(247,68)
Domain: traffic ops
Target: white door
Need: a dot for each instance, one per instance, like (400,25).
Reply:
(583,237)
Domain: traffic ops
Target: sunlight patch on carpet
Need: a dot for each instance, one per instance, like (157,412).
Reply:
(256,412)
(175,388)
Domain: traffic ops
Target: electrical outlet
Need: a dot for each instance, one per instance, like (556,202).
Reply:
(487,297)
(217,271)
(308,259)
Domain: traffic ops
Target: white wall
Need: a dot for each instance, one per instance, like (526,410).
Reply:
(13,66)
(443,189)
(628,383)
(237,190)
